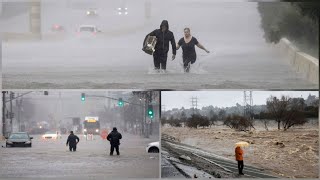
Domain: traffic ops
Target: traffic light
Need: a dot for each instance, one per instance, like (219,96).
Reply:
(120,102)
(150,112)
(83,96)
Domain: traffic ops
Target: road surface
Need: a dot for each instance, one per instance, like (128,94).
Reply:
(52,159)
(239,56)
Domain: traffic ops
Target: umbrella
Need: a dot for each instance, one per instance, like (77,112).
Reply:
(242,144)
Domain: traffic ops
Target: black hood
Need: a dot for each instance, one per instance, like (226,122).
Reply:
(164,23)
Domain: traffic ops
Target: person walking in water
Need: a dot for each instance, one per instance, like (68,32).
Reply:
(72,140)
(187,43)
(160,55)
(239,158)
(114,138)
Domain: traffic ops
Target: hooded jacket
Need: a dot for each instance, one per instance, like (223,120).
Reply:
(72,140)
(239,154)
(163,38)
(114,137)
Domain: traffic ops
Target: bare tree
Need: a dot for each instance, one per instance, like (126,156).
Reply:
(278,108)
(183,116)
(238,122)
(222,114)
(288,111)
(213,117)
(294,115)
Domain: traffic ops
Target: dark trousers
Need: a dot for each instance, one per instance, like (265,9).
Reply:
(160,60)
(240,167)
(72,147)
(187,63)
(113,146)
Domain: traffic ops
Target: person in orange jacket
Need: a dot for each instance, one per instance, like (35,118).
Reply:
(239,158)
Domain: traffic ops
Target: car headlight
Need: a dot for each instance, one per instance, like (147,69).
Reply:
(88,12)
(28,142)
(97,130)
(9,142)
(85,130)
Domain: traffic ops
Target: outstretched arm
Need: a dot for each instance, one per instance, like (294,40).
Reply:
(202,47)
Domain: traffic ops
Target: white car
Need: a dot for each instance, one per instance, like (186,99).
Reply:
(122,11)
(52,135)
(92,12)
(153,147)
(87,31)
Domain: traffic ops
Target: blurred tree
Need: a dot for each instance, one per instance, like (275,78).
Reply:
(297,21)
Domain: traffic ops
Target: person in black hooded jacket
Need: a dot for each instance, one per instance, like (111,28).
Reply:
(160,54)
(72,140)
(114,138)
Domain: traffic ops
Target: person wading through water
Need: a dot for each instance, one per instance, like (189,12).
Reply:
(160,54)
(188,43)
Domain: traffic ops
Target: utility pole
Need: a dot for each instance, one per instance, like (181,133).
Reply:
(146,130)
(19,106)
(11,113)
(3,113)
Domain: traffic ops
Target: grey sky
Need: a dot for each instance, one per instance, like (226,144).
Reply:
(178,99)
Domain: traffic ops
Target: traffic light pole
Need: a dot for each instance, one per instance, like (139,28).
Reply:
(18,96)
(11,117)
(3,113)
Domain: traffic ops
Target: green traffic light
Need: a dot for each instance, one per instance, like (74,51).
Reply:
(120,102)
(83,97)
(150,113)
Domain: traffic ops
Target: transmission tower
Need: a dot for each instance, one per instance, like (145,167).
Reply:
(247,104)
(194,104)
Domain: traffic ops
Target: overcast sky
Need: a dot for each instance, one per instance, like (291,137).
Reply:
(178,99)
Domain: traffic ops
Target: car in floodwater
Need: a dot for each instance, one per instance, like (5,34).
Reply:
(52,135)
(19,139)
(91,13)
(57,28)
(153,147)
(122,10)
(87,31)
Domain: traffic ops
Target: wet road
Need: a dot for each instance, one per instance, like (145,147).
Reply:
(239,56)
(52,159)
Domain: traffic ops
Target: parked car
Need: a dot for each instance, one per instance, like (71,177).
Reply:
(19,139)
(153,147)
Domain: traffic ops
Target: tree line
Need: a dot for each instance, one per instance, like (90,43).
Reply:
(287,112)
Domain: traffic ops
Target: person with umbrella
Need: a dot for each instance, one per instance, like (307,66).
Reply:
(239,155)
